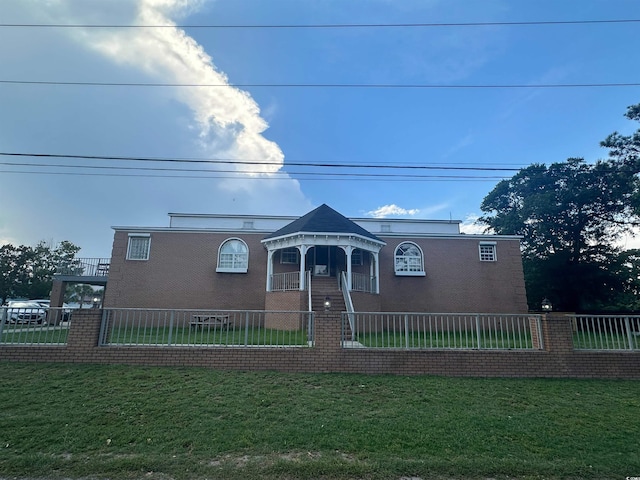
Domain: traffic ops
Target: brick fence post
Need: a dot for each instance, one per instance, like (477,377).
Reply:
(84,330)
(557,332)
(327,332)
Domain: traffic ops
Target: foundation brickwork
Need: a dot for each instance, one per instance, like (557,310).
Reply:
(558,358)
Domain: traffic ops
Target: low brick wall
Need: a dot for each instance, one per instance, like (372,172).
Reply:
(558,359)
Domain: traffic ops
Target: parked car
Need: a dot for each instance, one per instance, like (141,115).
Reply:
(26,312)
(64,311)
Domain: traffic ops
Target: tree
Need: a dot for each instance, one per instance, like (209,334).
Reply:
(625,149)
(79,293)
(27,272)
(570,215)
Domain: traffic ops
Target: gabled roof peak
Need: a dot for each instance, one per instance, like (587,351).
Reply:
(324,219)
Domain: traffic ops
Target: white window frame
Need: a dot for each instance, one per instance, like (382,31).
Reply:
(237,263)
(414,264)
(133,251)
(487,252)
(290,252)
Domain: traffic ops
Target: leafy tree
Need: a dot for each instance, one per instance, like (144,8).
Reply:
(78,293)
(28,271)
(570,215)
(625,149)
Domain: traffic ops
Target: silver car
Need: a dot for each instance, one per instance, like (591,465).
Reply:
(26,312)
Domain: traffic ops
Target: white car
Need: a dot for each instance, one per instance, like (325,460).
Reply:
(63,312)
(26,312)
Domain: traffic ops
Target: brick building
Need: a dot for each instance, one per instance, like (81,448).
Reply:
(257,262)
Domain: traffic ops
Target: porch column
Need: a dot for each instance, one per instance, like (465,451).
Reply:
(303,255)
(269,268)
(376,258)
(348,249)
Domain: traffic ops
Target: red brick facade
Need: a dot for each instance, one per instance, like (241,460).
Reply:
(181,273)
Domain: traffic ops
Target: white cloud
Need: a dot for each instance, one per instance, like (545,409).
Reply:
(228,118)
(392,211)
(471,226)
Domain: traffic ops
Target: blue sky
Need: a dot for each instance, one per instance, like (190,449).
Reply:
(282,127)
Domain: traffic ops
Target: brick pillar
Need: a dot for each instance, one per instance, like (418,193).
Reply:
(84,331)
(327,331)
(557,332)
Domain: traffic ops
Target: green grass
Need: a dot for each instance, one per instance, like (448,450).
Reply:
(227,336)
(71,421)
(33,334)
(451,339)
(604,341)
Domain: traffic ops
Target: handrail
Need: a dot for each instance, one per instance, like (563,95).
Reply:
(308,285)
(347,301)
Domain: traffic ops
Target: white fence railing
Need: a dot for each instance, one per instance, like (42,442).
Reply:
(441,331)
(606,332)
(362,283)
(215,328)
(34,326)
(282,282)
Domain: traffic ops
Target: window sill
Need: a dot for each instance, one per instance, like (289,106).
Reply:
(411,274)
(231,270)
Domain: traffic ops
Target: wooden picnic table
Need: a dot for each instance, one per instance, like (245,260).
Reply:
(209,320)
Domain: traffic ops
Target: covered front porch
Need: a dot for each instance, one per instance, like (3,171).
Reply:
(323,243)
(345,259)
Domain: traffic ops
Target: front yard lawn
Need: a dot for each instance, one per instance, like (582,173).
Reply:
(72,421)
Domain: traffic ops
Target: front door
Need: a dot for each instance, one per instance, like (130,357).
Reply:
(321,260)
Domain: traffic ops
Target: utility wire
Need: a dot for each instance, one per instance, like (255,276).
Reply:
(327,25)
(257,162)
(413,178)
(240,172)
(325,85)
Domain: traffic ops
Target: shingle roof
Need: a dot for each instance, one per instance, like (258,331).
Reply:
(323,219)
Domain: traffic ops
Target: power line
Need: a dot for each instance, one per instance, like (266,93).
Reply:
(412,178)
(258,162)
(237,172)
(327,25)
(324,85)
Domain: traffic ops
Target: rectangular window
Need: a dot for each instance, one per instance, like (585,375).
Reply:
(488,252)
(357,257)
(138,248)
(247,224)
(289,255)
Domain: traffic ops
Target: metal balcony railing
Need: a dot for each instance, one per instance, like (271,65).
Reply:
(85,267)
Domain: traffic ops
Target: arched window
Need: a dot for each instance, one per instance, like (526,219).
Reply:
(233,256)
(409,260)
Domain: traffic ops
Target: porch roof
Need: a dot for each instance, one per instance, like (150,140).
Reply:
(322,220)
